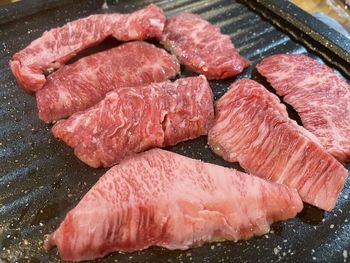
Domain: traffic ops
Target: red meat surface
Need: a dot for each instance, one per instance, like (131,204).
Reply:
(58,45)
(130,120)
(160,198)
(202,47)
(252,127)
(82,84)
(318,94)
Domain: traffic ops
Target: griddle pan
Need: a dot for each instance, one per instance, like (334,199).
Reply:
(41,179)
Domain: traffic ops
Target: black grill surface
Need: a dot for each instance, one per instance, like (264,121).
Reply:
(41,179)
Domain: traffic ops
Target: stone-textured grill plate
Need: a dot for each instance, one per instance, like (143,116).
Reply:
(41,179)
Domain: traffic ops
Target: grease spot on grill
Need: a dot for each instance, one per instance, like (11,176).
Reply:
(44,215)
(311,215)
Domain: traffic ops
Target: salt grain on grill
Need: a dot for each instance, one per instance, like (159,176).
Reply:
(345,254)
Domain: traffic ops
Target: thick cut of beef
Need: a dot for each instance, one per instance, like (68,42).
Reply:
(252,127)
(202,47)
(318,94)
(130,120)
(82,84)
(58,45)
(160,198)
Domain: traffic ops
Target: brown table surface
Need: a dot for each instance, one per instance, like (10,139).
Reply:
(313,6)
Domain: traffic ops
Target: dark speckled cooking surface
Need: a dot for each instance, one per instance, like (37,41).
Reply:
(41,180)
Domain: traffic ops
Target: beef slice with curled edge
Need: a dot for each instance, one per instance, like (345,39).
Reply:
(82,84)
(56,46)
(159,198)
(252,127)
(133,119)
(319,95)
(202,47)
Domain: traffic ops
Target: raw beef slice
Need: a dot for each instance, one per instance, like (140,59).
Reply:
(319,95)
(160,198)
(130,120)
(252,127)
(202,47)
(57,46)
(82,84)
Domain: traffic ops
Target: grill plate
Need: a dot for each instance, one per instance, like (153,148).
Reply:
(41,179)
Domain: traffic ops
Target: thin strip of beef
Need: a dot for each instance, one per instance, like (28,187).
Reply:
(130,120)
(202,47)
(252,127)
(57,46)
(318,94)
(82,84)
(160,198)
